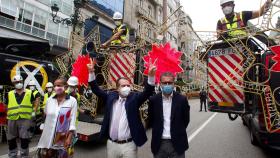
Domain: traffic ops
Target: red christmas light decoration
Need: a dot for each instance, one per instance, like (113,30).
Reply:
(166,58)
(276,58)
(80,69)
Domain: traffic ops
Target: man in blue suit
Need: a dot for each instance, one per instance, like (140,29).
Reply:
(169,116)
(122,124)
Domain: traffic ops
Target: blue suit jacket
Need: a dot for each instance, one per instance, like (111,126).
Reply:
(133,102)
(180,117)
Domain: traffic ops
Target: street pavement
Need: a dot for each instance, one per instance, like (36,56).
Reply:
(211,135)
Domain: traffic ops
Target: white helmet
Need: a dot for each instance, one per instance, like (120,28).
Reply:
(73,81)
(17,78)
(31,83)
(49,85)
(117,16)
(225,1)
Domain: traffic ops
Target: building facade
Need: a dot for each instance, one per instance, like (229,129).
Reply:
(32,20)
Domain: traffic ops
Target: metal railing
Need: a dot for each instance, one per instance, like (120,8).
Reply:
(34,31)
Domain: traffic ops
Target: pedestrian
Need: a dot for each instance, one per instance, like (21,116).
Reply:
(20,107)
(203,98)
(37,114)
(72,90)
(122,124)
(49,93)
(234,24)
(59,127)
(168,115)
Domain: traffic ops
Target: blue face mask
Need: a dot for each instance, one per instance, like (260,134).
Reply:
(167,89)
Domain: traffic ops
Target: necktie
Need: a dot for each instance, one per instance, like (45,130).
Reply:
(116,119)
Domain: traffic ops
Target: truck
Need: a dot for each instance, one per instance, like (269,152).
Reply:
(241,82)
(32,61)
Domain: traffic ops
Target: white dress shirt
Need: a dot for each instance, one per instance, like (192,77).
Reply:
(123,130)
(52,112)
(167,103)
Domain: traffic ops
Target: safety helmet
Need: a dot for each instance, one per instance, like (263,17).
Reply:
(73,81)
(31,83)
(225,1)
(17,78)
(117,16)
(49,85)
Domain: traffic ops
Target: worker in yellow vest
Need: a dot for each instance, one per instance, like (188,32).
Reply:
(233,24)
(120,33)
(37,115)
(32,86)
(72,90)
(49,93)
(20,107)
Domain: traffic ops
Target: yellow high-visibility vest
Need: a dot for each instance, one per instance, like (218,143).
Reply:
(236,28)
(46,97)
(122,37)
(22,110)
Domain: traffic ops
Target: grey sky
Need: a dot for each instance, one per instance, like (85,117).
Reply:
(205,13)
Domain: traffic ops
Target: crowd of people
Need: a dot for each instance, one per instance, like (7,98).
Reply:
(54,115)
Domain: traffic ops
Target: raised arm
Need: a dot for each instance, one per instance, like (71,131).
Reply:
(92,82)
(262,10)
(150,86)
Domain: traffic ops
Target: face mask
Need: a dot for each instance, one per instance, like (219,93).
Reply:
(32,88)
(49,90)
(118,23)
(59,90)
(19,86)
(227,10)
(71,89)
(167,89)
(124,91)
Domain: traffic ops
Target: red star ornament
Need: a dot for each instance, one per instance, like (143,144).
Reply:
(276,58)
(80,69)
(167,60)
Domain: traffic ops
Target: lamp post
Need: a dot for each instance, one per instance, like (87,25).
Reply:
(75,19)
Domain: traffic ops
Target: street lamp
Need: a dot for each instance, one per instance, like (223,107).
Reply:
(75,19)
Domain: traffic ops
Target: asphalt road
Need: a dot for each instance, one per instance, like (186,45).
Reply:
(211,135)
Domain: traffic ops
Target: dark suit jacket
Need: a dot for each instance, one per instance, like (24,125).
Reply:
(133,102)
(180,117)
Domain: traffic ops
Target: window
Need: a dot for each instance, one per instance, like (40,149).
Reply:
(149,33)
(67,7)
(64,31)
(160,16)
(8,7)
(52,27)
(27,17)
(150,13)
(141,3)
(40,19)
(139,26)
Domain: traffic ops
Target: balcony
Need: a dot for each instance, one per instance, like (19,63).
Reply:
(144,14)
(33,31)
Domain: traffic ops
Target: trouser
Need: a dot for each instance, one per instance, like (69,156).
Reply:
(18,129)
(167,150)
(202,101)
(126,150)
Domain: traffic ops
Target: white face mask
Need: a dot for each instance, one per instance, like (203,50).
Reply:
(32,88)
(71,89)
(118,23)
(227,10)
(19,86)
(49,90)
(124,91)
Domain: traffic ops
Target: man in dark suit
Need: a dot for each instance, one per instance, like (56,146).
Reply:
(203,97)
(122,123)
(169,117)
